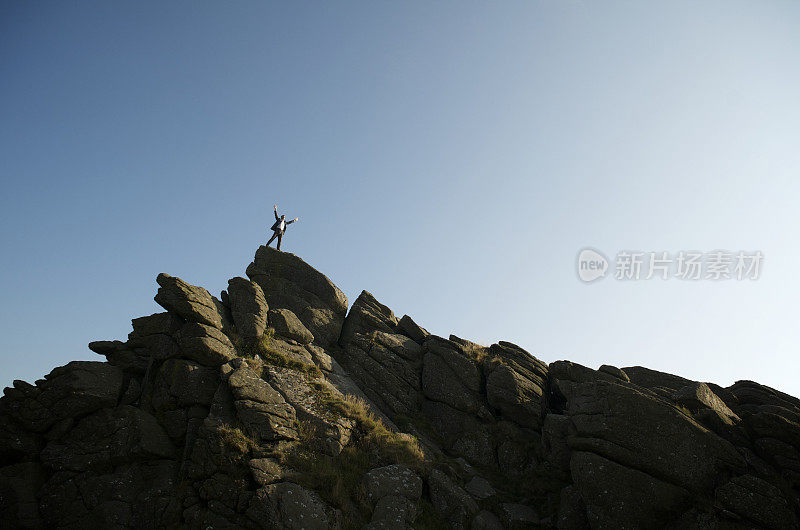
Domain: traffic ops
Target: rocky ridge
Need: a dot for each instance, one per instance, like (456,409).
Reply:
(273,406)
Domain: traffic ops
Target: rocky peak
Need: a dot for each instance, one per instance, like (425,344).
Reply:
(276,407)
(289,282)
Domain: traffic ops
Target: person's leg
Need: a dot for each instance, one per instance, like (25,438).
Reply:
(274,235)
(280,236)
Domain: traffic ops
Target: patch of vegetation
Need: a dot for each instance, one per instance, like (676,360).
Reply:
(394,447)
(276,358)
(244,347)
(483,356)
(232,438)
(338,479)
(269,353)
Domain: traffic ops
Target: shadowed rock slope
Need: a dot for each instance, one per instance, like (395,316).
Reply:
(272,406)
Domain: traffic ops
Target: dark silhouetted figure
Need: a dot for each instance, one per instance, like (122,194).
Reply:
(279,227)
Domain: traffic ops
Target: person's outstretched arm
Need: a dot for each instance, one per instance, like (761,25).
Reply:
(276,213)
(293,220)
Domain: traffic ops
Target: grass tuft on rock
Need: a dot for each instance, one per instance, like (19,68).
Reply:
(233,439)
(339,479)
(336,479)
(264,347)
(394,447)
(483,356)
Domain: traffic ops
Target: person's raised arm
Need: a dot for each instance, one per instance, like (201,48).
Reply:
(276,213)
(293,220)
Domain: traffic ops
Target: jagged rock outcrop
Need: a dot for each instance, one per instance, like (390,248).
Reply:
(411,329)
(286,324)
(366,315)
(386,364)
(193,304)
(248,307)
(289,282)
(274,407)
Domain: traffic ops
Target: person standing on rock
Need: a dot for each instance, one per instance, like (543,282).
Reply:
(279,227)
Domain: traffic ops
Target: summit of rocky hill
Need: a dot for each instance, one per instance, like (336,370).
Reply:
(279,405)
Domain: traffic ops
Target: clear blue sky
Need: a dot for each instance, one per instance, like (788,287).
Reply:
(450,157)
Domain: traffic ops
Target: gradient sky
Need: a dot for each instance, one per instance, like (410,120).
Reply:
(452,158)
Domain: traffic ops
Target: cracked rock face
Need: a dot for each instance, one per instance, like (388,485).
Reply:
(290,283)
(204,344)
(248,307)
(395,480)
(72,390)
(206,418)
(261,408)
(366,315)
(331,432)
(192,303)
(286,324)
